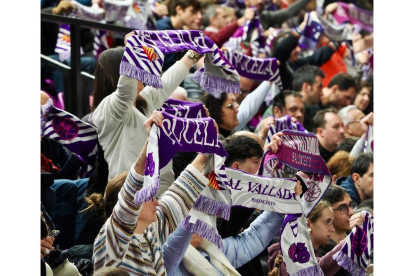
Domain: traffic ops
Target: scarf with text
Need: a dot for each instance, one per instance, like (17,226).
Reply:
(354,15)
(264,69)
(77,136)
(300,151)
(369,140)
(144,57)
(297,249)
(183,109)
(354,256)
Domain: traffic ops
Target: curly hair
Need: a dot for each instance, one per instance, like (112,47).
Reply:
(214,106)
(241,147)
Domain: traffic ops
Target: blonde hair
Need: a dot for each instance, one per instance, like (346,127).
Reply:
(317,211)
(340,164)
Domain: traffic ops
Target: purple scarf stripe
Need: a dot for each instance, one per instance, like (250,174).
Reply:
(147,193)
(212,207)
(217,83)
(354,15)
(134,72)
(203,230)
(310,271)
(346,262)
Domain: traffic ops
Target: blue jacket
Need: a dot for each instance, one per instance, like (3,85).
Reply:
(238,250)
(348,184)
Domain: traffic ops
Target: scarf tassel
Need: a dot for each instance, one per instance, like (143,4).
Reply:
(147,193)
(215,83)
(144,76)
(343,260)
(212,207)
(203,230)
(310,271)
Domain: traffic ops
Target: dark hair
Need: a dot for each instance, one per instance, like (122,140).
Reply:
(279,38)
(214,106)
(344,81)
(241,147)
(334,194)
(173,4)
(306,74)
(97,203)
(361,163)
(347,144)
(111,271)
(319,118)
(44,228)
(106,74)
(280,99)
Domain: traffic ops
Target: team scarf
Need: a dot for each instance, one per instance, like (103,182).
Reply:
(100,42)
(312,32)
(354,256)
(300,151)
(282,123)
(264,69)
(369,140)
(269,41)
(144,57)
(177,134)
(274,90)
(354,15)
(264,193)
(77,136)
(138,15)
(183,109)
(115,9)
(297,249)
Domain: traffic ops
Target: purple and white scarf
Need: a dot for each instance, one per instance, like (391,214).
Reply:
(144,57)
(264,69)
(63,43)
(264,193)
(115,9)
(258,40)
(369,140)
(77,136)
(138,15)
(312,32)
(354,256)
(354,15)
(282,123)
(100,42)
(94,13)
(333,31)
(300,151)
(297,249)
(269,41)
(183,109)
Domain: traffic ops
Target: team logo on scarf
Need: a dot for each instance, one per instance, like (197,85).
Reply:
(219,73)
(77,136)
(151,54)
(354,256)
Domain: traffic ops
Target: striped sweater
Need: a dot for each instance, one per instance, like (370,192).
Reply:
(140,254)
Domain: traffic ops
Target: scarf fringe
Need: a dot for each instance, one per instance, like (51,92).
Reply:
(310,271)
(210,82)
(212,207)
(134,72)
(343,260)
(147,193)
(198,75)
(203,230)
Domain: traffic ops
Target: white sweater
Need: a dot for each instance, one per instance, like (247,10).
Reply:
(120,125)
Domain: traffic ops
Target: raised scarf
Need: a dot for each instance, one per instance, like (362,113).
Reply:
(138,15)
(183,109)
(354,15)
(354,256)
(77,136)
(369,140)
(196,264)
(282,123)
(264,69)
(116,9)
(144,57)
(313,30)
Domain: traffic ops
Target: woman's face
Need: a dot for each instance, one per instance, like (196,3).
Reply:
(229,109)
(148,211)
(322,228)
(362,99)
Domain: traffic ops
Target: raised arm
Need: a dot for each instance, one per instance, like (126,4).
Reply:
(273,18)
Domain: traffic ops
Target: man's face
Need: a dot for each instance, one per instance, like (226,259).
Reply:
(259,4)
(295,108)
(220,20)
(315,92)
(342,98)
(333,133)
(192,19)
(353,128)
(341,221)
(366,182)
(251,165)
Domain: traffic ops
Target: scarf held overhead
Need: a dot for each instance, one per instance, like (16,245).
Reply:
(354,15)
(145,51)
(183,109)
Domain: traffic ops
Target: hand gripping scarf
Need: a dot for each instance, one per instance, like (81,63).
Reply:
(354,256)
(145,51)
(354,15)
(77,136)
(264,69)
(369,140)
(312,32)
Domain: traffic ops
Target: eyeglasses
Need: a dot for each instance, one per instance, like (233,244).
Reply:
(357,121)
(343,209)
(230,106)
